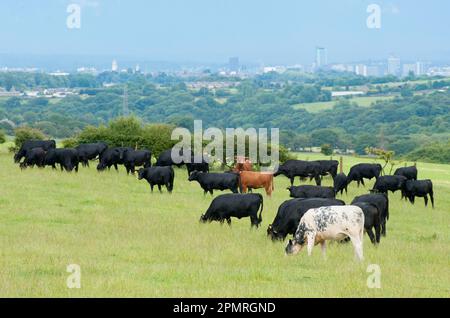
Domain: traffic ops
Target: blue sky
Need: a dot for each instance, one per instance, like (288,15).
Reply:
(275,31)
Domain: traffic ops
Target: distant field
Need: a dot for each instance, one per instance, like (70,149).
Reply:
(321,106)
(129,242)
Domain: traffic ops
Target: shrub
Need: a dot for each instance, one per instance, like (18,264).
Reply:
(27,133)
(326,149)
(70,143)
(2,137)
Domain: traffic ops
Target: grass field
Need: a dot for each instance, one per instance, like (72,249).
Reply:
(365,101)
(129,242)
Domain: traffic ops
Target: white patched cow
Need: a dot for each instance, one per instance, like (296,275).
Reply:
(329,223)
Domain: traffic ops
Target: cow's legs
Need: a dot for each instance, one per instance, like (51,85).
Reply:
(357,244)
(323,246)
(432,199)
(362,182)
(159,188)
(229,221)
(115,167)
(311,241)
(425,198)
(292,181)
(378,233)
(211,191)
(151,187)
(371,236)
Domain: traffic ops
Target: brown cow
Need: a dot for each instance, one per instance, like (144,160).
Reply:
(256,180)
(242,164)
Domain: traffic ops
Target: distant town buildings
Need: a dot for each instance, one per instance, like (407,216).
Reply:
(321,57)
(394,66)
(114,66)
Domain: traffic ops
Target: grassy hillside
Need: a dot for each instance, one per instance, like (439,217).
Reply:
(129,242)
(365,101)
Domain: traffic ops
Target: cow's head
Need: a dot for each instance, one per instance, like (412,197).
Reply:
(193,175)
(19,155)
(101,166)
(293,247)
(141,174)
(203,219)
(274,235)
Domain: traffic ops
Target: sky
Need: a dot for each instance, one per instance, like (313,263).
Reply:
(260,31)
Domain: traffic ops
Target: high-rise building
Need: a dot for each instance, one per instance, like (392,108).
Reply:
(361,69)
(394,66)
(321,57)
(408,69)
(373,71)
(114,66)
(420,68)
(233,64)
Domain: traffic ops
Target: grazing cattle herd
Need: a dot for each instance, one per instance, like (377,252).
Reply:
(312,216)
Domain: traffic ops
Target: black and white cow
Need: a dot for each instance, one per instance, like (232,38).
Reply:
(136,158)
(33,156)
(300,168)
(237,205)
(291,211)
(362,171)
(372,220)
(389,183)
(333,223)
(30,144)
(381,201)
(419,188)
(310,191)
(340,183)
(91,151)
(409,173)
(159,176)
(216,181)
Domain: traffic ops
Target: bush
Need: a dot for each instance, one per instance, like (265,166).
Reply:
(435,152)
(2,137)
(128,132)
(326,149)
(70,143)
(27,133)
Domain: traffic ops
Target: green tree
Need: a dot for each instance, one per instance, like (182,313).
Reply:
(25,133)
(326,149)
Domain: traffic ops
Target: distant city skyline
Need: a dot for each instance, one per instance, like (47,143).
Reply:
(201,31)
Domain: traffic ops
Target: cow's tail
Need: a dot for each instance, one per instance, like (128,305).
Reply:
(261,201)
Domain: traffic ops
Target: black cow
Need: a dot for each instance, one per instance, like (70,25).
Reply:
(30,144)
(409,173)
(67,158)
(310,191)
(122,151)
(300,168)
(88,152)
(372,220)
(389,183)
(216,181)
(159,176)
(340,183)
(364,170)
(328,167)
(200,167)
(381,201)
(290,212)
(237,205)
(419,188)
(34,156)
(110,157)
(136,158)
(165,158)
